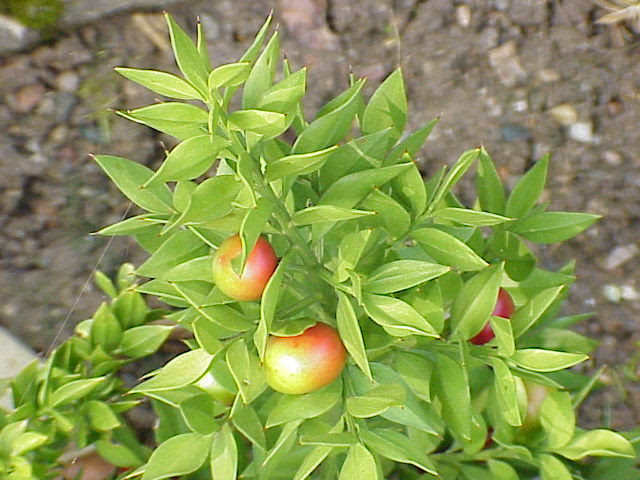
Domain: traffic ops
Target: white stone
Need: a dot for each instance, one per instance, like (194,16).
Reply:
(14,356)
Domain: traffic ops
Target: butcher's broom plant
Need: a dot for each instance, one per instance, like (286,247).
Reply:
(342,317)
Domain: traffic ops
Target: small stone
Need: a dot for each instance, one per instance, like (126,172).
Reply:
(548,75)
(564,114)
(581,132)
(612,158)
(463,15)
(512,132)
(620,255)
(612,293)
(506,63)
(27,97)
(68,81)
(629,293)
(520,106)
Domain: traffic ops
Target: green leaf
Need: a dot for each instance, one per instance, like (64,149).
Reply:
(488,185)
(291,408)
(599,443)
(452,388)
(246,420)
(268,304)
(409,188)
(129,177)
(447,249)
(206,334)
(201,46)
(473,218)
(142,341)
(246,370)
(181,247)
(359,464)
(262,73)
(212,199)
(505,387)
(390,215)
(376,401)
(27,442)
(188,160)
(299,164)
(350,333)
(528,189)
(345,439)
(473,305)
(102,416)
(224,455)
(387,107)
(316,456)
(163,83)
(362,153)
(540,360)
(502,470)
(134,225)
(519,261)
(553,227)
(350,190)
(284,96)
(187,56)
(330,128)
(179,455)
(527,315)
(199,413)
(402,274)
(558,418)
(326,213)
(412,144)
(397,447)
(182,370)
(455,173)
(253,225)
(198,268)
(74,390)
(262,122)
(229,75)
(226,317)
(552,468)
(416,371)
(182,120)
(105,329)
(398,318)
(504,335)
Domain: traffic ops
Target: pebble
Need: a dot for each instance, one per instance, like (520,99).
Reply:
(463,15)
(617,293)
(548,75)
(64,103)
(68,81)
(612,157)
(27,97)
(620,255)
(14,36)
(512,132)
(581,132)
(564,114)
(506,63)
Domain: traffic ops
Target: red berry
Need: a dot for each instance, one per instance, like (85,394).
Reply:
(260,265)
(306,362)
(504,308)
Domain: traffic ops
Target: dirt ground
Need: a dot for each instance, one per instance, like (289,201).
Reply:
(522,77)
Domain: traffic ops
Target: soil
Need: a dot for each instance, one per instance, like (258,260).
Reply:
(521,77)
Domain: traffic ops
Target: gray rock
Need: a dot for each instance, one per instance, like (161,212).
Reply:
(15,36)
(620,255)
(80,12)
